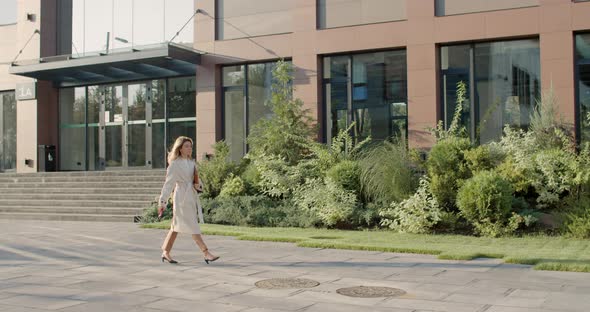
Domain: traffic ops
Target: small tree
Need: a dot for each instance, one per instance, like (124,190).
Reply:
(289,125)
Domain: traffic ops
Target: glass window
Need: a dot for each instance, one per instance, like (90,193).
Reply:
(127,117)
(248,18)
(583,85)
(8,12)
(247,88)
(128,23)
(505,78)
(338,13)
(181,97)
(452,7)
(148,22)
(7,131)
(72,124)
(369,89)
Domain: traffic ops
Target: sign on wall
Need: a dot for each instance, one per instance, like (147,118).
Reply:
(26,91)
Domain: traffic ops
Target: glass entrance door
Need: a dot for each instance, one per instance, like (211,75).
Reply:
(7,131)
(125,126)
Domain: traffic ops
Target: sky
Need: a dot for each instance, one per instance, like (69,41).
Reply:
(7,11)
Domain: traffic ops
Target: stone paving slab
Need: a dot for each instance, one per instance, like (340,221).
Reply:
(83,266)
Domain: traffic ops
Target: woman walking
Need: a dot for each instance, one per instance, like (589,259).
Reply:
(180,178)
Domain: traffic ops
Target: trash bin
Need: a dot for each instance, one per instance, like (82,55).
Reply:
(47,161)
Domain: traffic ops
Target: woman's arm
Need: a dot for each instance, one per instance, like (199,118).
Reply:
(171,178)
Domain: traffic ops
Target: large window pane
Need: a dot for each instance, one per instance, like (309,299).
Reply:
(181,97)
(235,132)
(373,97)
(148,22)
(129,23)
(177,13)
(338,13)
(455,65)
(259,91)
(506,82)
(8,12)
(122,36)
(583,85)
(247,18)
(507,76)
(72,121)
(451,7)
(98,20)
(7,131)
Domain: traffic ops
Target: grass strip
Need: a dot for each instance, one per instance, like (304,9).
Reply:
(543,252)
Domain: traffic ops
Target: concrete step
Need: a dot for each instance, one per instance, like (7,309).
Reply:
(80,197)
(130,212)
(102,185)
(66,217)
(155,172)
(110,179)
(81,190)
(75,203)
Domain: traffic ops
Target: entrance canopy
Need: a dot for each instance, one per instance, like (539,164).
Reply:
(139,63)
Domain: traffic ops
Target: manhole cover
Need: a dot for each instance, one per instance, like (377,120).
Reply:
(282,283)
(370,292)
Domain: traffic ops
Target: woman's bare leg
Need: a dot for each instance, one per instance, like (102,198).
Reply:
(168,243)
(198,238)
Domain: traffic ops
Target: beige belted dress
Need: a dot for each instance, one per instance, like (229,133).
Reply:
(187,207)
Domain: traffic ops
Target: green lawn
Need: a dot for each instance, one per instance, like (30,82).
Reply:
(546,253)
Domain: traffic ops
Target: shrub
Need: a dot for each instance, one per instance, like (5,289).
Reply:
(386,173)
(331,203)
(483,157)
(554,176)
(343,147)
(417,214)
(448,169)
(346,174)
(548,126)
(233,186)
(251,178)
(486,202)
(245,210)
(150,213)
(215,171)
(576,221)
(290,124)
(277,177)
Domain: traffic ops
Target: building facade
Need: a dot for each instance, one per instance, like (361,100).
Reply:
(116,81)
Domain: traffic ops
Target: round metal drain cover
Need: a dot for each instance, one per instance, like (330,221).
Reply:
(283,283)
(370,292)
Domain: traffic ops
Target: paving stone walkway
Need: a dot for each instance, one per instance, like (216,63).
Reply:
(83,266)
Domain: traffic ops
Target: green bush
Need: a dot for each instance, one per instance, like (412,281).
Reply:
(483,157)
(486,202)
(346,174)
(554,176)
(213,172)
(150,213)
(233,186)
(327,200)
(255,211)
(386,173)
(290,125)
(576,222)
(417,214)
(448,169)
(251,178)
(343,147)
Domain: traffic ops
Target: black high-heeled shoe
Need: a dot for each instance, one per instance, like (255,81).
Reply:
(171,261)
(211,260)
